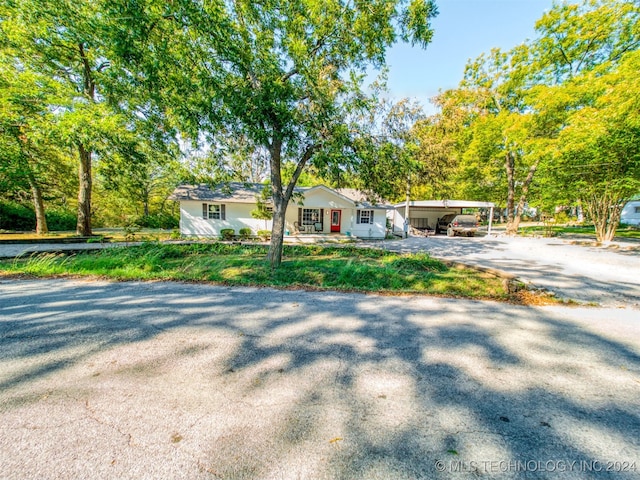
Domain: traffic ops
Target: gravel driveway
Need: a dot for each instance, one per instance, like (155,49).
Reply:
(608,276)
(166,380)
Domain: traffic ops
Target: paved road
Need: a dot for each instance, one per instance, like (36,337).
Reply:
(166,380)
(608,276)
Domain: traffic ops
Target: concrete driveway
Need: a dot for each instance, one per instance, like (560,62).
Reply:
(608,276)
(166,380)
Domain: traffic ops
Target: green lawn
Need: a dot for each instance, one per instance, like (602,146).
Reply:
(337,268)
(587,230)
(110,234)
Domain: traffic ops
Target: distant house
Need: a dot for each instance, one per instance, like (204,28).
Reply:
(204,211)
(631,213)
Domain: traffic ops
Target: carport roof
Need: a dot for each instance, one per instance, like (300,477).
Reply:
(446,204)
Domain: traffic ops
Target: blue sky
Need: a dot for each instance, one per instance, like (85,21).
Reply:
(463,30)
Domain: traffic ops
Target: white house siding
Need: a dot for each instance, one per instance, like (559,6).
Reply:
(324,199)
(377,229)
(237,216)
(631,213)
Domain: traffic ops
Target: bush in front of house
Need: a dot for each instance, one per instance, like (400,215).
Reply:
(264,234)
(244,233)
(227,233)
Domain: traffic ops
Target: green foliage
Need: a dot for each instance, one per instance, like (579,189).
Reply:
(264,234)
(245,233)
(554,120)
(284,77)
(18,217)
(61,220)
(349,268)
(14,216)
(130,231)
(227,233)
(156,220)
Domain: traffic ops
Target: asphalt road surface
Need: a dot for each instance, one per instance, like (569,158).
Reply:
(167,380)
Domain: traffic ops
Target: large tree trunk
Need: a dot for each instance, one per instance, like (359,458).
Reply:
(83,226)
(38,204)
(84,192)
(512,228)
(510,164)
(281,197)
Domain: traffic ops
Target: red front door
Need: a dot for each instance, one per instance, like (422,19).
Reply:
(335,220)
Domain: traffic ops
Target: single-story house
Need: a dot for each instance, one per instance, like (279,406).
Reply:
(631,213)
(424,214)
(204,211)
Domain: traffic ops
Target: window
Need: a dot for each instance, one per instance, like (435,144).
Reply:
(365,216)
(213,212)
(637,209)
(310,219)
(311,216)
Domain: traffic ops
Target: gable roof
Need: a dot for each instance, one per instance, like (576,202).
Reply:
(240,192)
(364,199)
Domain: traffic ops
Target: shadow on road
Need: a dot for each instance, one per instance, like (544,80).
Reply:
(265,384)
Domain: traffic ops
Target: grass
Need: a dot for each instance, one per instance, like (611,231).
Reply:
(587,230)
(345,268)
(113,235)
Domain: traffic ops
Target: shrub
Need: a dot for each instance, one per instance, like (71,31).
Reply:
(264,234)
(14,216)
(60,219)
(175,234)
(157,220)
(130,231)
(245,233)
(227,233)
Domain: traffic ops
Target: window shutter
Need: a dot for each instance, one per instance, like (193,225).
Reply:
(299,216)
(223,213)
(358,216)
(371,217)
(322,217)
(205,211)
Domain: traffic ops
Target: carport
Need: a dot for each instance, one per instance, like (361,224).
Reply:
(424,214)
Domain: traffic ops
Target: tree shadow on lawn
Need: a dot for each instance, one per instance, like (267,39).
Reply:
(270,384)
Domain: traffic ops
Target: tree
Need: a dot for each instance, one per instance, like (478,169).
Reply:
(598,152)
(496,158)
(29,153)
(286,75)
(60,41)
(386,149)
(584,92)
(262,210)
